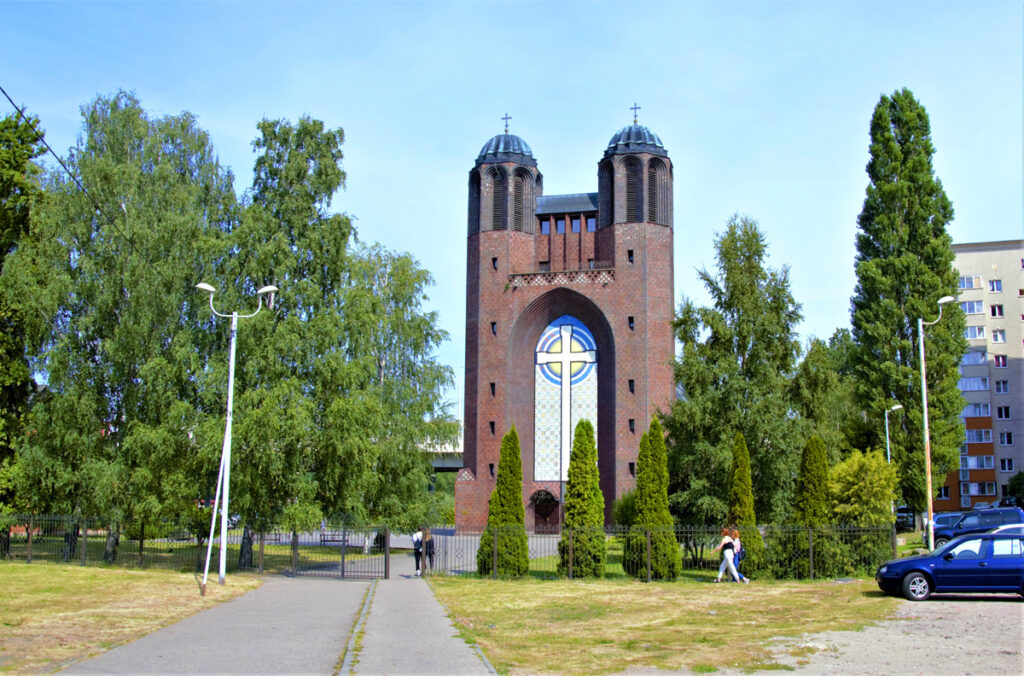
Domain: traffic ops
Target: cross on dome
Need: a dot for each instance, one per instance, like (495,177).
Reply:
(634,109)
(506,118)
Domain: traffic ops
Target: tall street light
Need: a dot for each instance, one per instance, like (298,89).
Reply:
(897,407)
(924,410)
(224,475)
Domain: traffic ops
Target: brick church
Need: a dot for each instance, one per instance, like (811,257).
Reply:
(569,304)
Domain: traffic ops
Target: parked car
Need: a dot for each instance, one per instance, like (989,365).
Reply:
(978,521)
(1010,529)
(904,519)
(977,563)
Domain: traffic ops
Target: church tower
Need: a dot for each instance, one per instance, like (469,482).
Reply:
(569,307)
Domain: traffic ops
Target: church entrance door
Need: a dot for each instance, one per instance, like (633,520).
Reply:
(545,512)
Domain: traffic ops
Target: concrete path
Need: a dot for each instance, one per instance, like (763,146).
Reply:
(304,626)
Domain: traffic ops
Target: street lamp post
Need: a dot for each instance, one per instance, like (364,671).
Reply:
(897,407)
(224,475)
(924,411)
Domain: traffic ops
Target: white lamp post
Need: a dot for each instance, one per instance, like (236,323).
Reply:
(224,476)
(924,411)
(897,407)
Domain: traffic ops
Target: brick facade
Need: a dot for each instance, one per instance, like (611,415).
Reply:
(522,274)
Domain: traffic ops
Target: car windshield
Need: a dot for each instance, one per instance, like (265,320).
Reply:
(957,542)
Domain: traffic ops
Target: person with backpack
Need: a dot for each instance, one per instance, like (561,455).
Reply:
(428,550)
(417,549)
(739,553)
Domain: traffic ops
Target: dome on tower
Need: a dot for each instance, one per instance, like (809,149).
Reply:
(635,138)
(506,148)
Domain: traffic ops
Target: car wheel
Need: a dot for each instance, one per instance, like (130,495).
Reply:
(940,542)
(916,587)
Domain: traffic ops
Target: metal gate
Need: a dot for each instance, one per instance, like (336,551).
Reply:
(345,553)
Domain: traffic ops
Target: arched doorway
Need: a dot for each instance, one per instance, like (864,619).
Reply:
(545,512)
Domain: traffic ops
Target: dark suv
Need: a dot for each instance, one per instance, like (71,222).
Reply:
(978,522)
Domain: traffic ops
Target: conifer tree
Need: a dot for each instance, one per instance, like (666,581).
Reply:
(506,516)
(652,513)
(811,504)
(904,264)
(584,509)
(741,503)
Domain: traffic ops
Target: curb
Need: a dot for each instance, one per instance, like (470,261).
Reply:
(473,645)
(350,649)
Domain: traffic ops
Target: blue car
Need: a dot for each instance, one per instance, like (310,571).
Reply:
(977,563)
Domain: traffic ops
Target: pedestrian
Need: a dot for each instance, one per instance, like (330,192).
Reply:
(738,555)
(727,547)
(428,550)
(417,549)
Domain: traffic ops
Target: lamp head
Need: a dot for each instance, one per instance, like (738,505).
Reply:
(946,299)
(203,286)
(896,407)
(270,290)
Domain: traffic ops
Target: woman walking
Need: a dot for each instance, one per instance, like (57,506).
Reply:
(737,555)
(728,548)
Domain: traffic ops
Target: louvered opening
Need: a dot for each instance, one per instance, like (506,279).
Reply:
(652,194)
(632,192)
(498,206)
(517,204)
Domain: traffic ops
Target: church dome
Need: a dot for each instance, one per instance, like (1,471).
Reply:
(635,138)
(506,148)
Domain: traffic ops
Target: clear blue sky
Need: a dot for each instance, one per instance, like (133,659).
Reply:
(763,107)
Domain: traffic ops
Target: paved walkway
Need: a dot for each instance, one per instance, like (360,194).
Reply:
(303,626)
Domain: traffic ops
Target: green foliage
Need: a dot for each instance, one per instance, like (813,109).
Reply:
(652,512)
(741,505)
(904,264)
(506,517)
(1015,487)
(584,509)
(624,509)
(736,359)
(863,490)
(822,394)
(811,502)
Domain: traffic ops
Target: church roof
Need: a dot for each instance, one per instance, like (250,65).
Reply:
(635,138)
(506,148)
(566,204)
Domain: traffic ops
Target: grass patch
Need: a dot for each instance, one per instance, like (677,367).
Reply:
(54,615)
(607,626)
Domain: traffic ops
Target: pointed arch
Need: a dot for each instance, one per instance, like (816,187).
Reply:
(522,201)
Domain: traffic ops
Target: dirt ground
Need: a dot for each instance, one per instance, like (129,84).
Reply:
(948,634)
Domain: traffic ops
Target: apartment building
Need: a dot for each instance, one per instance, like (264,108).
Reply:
(991,294)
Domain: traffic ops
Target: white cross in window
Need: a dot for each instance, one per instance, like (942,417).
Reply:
(566,358)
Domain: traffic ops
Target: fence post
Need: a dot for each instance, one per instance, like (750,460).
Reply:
(648,531)
(85,537)
(895,547)
(28,553)
(810,550)
(263,537)
(387,554)
(344,549)
(142,540)
(494,553)
(295,553)
(570,553)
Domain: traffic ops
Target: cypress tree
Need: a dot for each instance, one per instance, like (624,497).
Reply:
(506,516)
(584,509)
(811,502)
(652,513)
(904,264)
(741,503)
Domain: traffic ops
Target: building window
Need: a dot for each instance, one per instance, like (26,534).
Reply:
(490,466)
(492,389)
(560,225)
(1002,412)
(977,462)
(498,201)
(973,384)
(494,263)
(974,332)
(983,410)
(591,224)
(629,255)
(943,493)
(630,322)
(995,285)
(1002,387)
(999,336)
(1005,464)
(590,263)
(979,436)
(999,361)
(632,425)
(974,358)
(632,469)
(972,307)
(632,386)
(575,223)
(545,266)
(492,428)
(1006,438)
(545,225)
(1020,292)
(633,213)
(970,282)
(494,328)
(996,310)
(518,213)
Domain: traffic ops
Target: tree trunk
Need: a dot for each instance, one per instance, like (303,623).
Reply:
(113,540)
(245,551)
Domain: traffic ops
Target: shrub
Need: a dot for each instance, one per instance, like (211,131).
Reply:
(506,517)
(652,514)
(584,509)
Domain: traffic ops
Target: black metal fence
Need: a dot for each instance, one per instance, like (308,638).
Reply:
(331,551)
